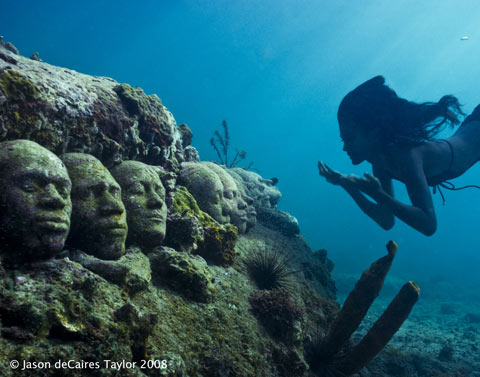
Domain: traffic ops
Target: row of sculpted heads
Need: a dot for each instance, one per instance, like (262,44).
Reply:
(218,194)
(45,199)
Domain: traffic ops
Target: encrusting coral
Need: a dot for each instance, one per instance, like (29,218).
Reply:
(184,302)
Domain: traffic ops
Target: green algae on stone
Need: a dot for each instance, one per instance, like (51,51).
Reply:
(131,272)
(135,99)
(34,200)
(219,245)
(185,274)
(279,313)
(99,224)
(154,122)
(185,204)
(218,242)
(17,87)
(143,195)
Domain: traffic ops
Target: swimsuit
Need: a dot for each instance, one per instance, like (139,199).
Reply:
(440,180)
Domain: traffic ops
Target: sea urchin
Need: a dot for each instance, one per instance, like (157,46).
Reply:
(269,269)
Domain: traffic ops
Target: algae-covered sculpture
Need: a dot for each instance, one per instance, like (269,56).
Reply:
(35,203)
(215,192)
(233,198)
(99,225)
(263,191)
(329,359)
(144,198)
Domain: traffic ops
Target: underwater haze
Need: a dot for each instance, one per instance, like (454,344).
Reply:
(276,71)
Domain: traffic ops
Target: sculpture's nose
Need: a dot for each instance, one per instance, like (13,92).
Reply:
(51,198)
(111,205)
(154,200)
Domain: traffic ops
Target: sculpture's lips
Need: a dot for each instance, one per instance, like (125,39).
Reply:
(52,224)
(115,226)
(51,219)
(156,217)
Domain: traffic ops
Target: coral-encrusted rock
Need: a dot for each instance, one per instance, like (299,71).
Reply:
(185,274)
(279,313)
(191,229)
(66,111)
(278,220)
(8,45)
(58,300)
(153,306)
(131,272)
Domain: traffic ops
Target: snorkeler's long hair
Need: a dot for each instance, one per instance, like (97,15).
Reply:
(374,105)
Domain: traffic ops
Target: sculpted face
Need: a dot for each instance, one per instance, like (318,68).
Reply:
(250,209)
(99,225)
(144,197)
(233,203)
(35,204)
(262,191)
(216,193)
(207,189)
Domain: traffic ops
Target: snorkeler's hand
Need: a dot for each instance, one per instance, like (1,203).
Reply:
(336,178)
(370,184)
(332,176)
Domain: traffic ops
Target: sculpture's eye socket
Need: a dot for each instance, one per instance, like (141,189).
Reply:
(115,192)
(29,186)
(97,191)
(84,193)
(63,189)
(136,189)
(159,190)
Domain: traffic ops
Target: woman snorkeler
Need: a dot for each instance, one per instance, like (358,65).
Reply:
(397,137)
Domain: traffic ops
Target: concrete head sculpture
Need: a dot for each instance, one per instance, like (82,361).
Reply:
(35,203)
(251,211)
(263,191)
(215,192)
(233,198)
(99,225)
(144,197)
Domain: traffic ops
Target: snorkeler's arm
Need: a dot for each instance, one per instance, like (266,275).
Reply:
(352,185)
(379,213)
(421,214)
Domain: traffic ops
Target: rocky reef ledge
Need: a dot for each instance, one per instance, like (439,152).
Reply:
(123,254)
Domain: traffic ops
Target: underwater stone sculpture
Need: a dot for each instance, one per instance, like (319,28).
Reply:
(215,192)
(206,187)
(250,202)
(193,230)
(263,196)
(144,198)
(99,225)
(237,207)
(263,191)
(35,203)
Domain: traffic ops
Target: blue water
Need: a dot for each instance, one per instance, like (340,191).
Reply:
(276,70)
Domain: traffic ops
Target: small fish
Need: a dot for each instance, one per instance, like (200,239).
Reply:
(464,38)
